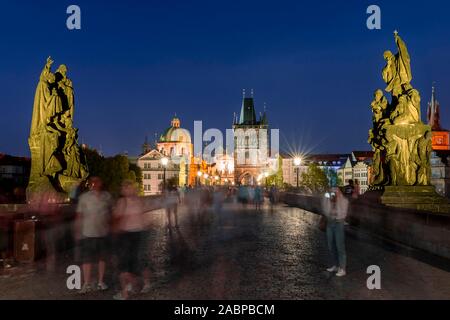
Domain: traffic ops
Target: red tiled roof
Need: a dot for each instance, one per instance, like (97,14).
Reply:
(363,155)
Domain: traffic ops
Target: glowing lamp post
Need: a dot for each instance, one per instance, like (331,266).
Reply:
(297,163)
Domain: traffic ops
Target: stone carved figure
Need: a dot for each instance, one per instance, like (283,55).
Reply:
(51,164)
(71,151)
(401,142)
(57,163)
(397,72)
(65,85)
(42,97)
(407,110)
(379,107)
(424,148)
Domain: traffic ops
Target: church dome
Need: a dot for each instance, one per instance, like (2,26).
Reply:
(175,134)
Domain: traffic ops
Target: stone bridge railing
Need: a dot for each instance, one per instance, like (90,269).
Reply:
(422,230)
(63,215)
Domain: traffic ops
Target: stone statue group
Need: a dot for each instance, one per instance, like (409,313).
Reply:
(57,161)
(401,142)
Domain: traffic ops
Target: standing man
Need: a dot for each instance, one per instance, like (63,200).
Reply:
(92,231)
(335,210)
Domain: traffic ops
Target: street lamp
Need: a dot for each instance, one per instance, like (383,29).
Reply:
(164,162)
(297,163)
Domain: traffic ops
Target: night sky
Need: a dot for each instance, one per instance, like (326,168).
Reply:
(314,63)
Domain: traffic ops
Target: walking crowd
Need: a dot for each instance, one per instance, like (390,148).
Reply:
(117,232)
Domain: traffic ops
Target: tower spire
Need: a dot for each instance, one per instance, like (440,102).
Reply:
(145,146)
(433,112)
(248,114)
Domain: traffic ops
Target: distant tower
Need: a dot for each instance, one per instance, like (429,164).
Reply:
(146,148)
(251,143)
(433,112)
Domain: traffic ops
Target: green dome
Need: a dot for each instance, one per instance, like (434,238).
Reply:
(174,134)
(166,136)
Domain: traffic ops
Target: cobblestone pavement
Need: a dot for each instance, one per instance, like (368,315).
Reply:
(243,254)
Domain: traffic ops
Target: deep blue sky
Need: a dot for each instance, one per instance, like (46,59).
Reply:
(134,65)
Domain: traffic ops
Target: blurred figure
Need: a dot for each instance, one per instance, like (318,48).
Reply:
(44,206)
(357,190)
(206,199)
(218,199)
(171,204)
(250,194)
(258,198)
(273,196)
(92,229)
(130,226)
(182,192)
(243,195)
(349,189)
(335,209)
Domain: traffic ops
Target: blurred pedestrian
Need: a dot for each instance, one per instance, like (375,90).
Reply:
(45,207)
(171,200)
(130,228)
(335,209)
(258,197)
(251,193)
(218,199)
(349,189)
(356,190)
(92,228)
(243,195)
(182,192)
(273,197)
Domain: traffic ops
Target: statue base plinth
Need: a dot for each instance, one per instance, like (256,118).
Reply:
(420,198)
(39,187)
(68,183)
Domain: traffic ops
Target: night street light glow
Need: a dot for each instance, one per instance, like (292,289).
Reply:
(297,161)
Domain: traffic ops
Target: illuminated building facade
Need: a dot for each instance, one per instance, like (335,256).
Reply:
(440,157)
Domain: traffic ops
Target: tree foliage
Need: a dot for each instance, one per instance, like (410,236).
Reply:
(112,170)
(277,178)
(315,179)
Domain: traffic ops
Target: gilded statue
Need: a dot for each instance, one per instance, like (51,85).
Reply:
(400,141)
(57,161)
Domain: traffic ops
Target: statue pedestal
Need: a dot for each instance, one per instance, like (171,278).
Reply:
(408,154)
(420,198)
